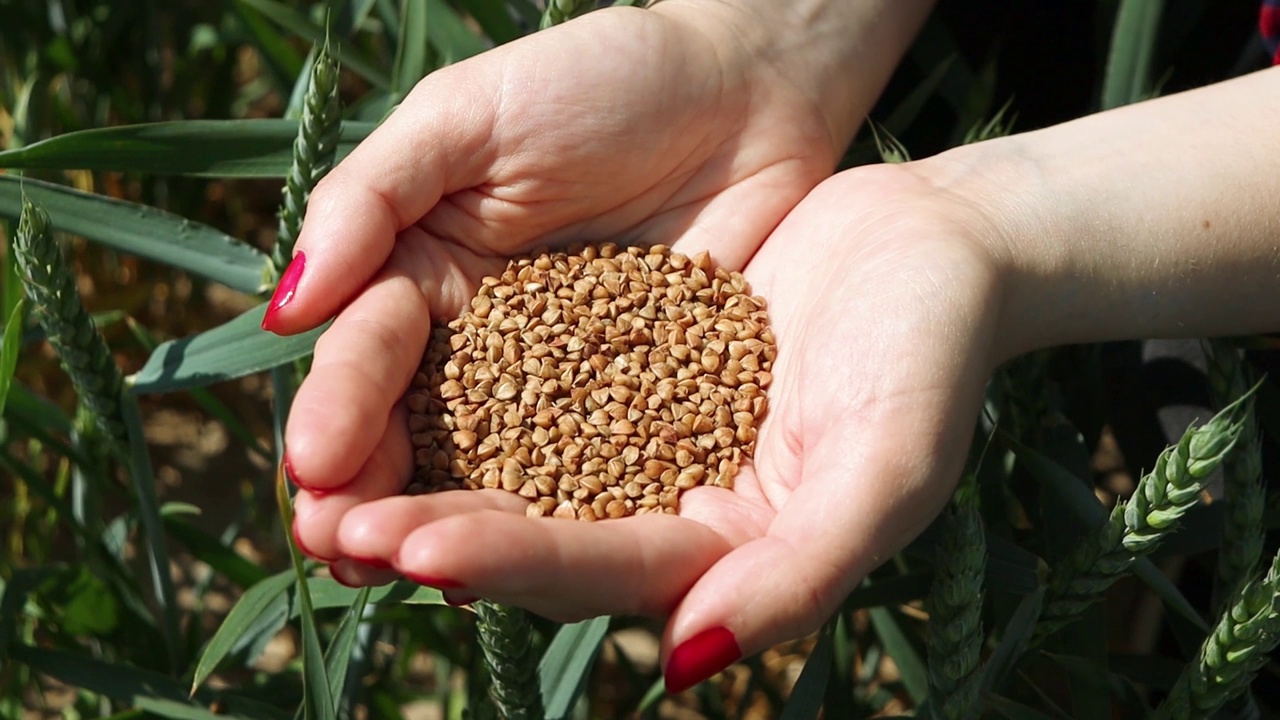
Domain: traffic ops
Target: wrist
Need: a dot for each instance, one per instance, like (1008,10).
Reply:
(828,59)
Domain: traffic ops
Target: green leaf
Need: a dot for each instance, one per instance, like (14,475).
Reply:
(252,605)
(1014,710)
(234,349)
(143,231)
(338,656)
(328,593)
(299,24)
(317,702)
(493,18)
(136,685)
(13,603)
(201,148)
(915,677)
(282,61)
(148,509)
(412,56)
(891,591)
(211,551)
(1127,78)
(453,40)
(567,663)
(1016,635)
(84,603)
(10,346)
(806,697)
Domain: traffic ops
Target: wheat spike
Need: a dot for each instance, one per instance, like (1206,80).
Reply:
(955,606)
(559,11)
(506,637)
(1233,653)
(314,151)
(1135,528)
(84,354)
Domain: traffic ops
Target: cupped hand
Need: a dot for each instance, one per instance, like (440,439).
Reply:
(625,125)
(885,303)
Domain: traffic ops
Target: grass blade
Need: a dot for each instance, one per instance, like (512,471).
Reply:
(316,698)
(200,148)
(247,609)
(915,678)
(338,657)
(143,231)
(493,18)
(144,489)
(412,52)
(234,349)
(567,664)
(1127,78)
(302,26)
(1016,636)
(10,345)
(452,38)
(806,698)
(135,685)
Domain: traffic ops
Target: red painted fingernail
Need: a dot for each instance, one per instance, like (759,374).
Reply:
(700,657)
(458,599)
(337,576)
(285,290)
(376,563)
(297,540)
(293,477)
(438,583)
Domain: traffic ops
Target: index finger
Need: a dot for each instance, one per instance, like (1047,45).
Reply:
(432,145)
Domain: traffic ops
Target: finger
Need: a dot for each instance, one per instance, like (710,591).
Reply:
(436,142)
(373,532)
(565,570)
(385,473)
(362,366)
(364,362)
(356,574)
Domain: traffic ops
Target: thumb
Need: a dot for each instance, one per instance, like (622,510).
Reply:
(433,144)
(862,497)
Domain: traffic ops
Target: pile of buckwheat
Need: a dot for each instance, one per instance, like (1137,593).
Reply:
(598,382)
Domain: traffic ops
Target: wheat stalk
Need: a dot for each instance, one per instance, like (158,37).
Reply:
(1135,528)
(506,637)
(954,606)
(68,326)
(314,151)
(559,11)
(1242,531)
(1232,654)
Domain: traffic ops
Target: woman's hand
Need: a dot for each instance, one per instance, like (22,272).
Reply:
(884,305)
(690,124)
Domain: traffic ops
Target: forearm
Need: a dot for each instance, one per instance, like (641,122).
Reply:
(837,54)
(1159,219)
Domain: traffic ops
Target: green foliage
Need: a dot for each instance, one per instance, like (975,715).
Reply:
(142,131)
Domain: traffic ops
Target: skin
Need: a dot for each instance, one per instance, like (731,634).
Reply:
(894,292)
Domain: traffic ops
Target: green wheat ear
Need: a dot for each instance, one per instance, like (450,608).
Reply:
(955,606)
(1135,528)
(84,354)
(559,11)
(506,637)
(314,151)
(1233,653)
(1242,530)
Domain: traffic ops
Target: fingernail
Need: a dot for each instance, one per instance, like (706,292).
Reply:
(297,540)
(457,599)
(700,657)
(293,477)
(438,583)
(337,576)
(285,290)
(376,563)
